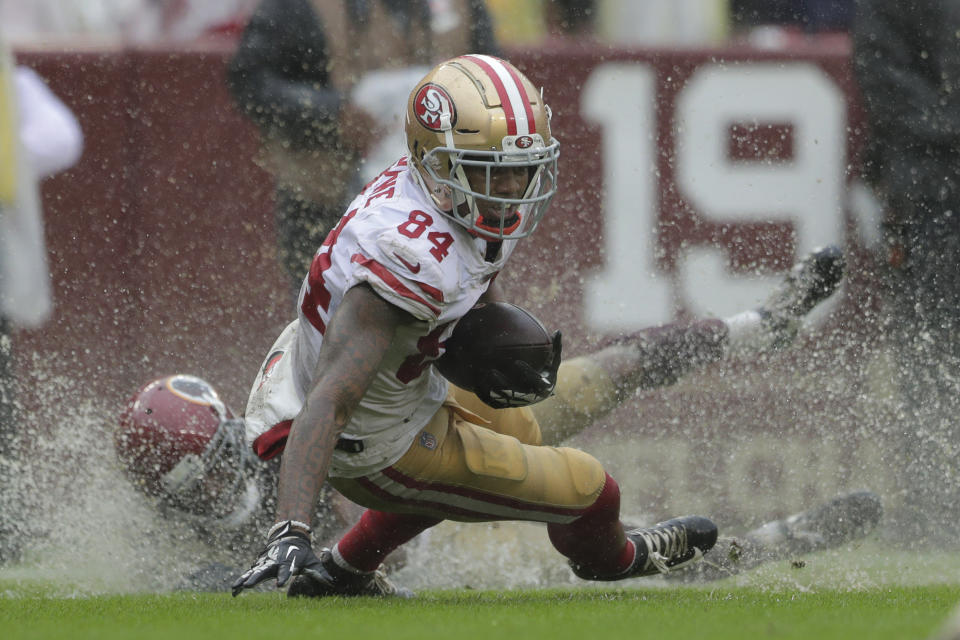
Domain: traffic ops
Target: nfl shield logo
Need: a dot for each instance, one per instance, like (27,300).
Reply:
(428,440)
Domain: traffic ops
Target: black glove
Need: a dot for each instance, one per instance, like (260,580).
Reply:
(517,384)
(288,553)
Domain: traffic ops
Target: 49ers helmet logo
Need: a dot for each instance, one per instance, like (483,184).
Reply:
(429,103)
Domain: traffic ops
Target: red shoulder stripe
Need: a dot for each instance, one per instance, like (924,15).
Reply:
(391,281)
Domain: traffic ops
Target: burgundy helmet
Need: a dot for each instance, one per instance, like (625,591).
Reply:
(177,441)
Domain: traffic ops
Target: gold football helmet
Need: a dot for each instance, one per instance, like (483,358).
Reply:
(480,111)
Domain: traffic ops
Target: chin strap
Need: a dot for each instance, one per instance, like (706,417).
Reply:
(446,126)
(507,229)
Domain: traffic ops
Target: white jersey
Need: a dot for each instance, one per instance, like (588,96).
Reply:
(395,240)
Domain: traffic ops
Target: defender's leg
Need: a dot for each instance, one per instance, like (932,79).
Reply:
(590,386)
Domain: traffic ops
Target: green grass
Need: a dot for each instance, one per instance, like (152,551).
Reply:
(581,614)
(859,591)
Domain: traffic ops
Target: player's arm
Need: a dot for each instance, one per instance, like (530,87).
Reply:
(357,338)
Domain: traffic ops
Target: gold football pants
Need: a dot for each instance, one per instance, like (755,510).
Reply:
(473,463)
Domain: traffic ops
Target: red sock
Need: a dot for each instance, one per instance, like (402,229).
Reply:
(595,540)
(378,533)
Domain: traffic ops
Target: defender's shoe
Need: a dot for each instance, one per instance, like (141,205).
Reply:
(810,282)
(663,548)
(843,519)
(333,580)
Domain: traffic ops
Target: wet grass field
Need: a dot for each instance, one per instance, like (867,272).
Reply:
(864,590)
(684,612)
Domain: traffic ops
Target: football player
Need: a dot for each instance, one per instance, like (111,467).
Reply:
(348,395)
(179,444)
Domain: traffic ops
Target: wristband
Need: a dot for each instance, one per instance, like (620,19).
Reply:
(290,524)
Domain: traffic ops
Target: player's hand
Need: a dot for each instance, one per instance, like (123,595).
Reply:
(517,384)
(288,553)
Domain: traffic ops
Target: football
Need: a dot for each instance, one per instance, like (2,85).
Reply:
(490,335)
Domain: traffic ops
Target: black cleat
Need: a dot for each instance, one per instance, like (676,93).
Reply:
(664,547)
(333,580)
(671,545)
(843,519)
(810,282)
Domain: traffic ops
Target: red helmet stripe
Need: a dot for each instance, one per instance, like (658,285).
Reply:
(513,96)
(524,99)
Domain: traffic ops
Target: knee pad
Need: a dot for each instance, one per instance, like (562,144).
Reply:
(587,473)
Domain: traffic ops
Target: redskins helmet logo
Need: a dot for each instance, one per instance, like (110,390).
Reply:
(191,389)
(429,103)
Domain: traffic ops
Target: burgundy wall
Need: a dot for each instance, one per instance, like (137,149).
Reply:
(161,238)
